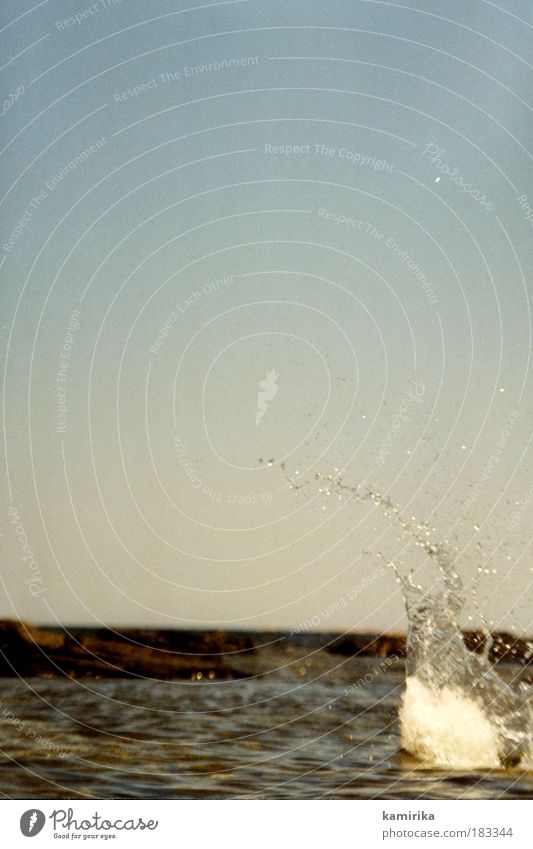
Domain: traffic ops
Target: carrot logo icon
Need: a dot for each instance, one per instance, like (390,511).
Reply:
(32,822)
(268,389)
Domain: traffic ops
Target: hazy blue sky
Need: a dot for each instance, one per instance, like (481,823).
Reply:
(254,231)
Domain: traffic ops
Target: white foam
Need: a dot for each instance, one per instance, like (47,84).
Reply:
(446,728)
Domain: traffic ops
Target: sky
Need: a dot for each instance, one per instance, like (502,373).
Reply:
(246,245)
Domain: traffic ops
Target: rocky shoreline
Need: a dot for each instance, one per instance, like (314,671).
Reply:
(77,652)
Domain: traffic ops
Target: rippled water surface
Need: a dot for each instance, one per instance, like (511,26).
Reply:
(299,727)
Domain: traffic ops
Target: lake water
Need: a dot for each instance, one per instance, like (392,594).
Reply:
(303,725)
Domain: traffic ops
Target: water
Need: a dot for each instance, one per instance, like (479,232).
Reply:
(457,711)
(304,725)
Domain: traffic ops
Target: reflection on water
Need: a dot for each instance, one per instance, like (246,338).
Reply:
(302,726)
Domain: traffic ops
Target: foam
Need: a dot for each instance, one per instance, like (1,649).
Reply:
(447,728)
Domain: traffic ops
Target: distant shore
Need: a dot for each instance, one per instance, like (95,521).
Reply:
(77,652)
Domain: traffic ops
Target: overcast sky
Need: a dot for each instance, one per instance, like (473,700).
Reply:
(256,231)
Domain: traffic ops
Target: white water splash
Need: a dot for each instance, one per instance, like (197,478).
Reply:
(457,711)
(446,728)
